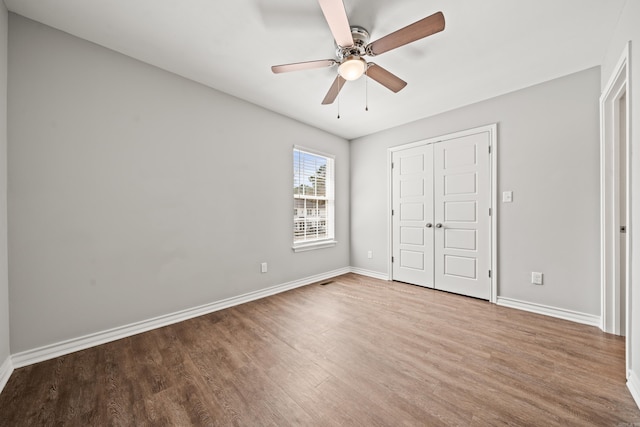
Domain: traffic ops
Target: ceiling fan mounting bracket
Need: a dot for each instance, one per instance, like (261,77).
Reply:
(360,41)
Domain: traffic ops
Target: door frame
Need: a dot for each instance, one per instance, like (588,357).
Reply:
(492,129)
(617,86)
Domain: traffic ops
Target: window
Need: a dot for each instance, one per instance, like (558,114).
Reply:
(313,189)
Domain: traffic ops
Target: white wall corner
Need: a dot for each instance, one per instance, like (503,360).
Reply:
(633,384)
(560,313)
(369,273)
(51,351)
(6,369)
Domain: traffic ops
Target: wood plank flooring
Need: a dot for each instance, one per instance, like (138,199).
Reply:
(355,352)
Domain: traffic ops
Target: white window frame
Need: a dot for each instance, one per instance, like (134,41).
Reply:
(329,240)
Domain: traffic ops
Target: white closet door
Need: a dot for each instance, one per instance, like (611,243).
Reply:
(462,229)
(413,229)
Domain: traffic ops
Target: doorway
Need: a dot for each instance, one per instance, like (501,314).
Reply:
(442,216)
(614,202)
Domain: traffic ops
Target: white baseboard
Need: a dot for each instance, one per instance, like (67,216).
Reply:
(560,313)
(6,369)
(51,351)
(369,273)
(633,384)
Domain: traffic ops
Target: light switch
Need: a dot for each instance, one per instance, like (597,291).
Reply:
(507,196)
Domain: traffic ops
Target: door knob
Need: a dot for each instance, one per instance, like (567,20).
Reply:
(438,225)
(429,225)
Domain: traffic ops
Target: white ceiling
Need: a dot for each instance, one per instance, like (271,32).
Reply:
(488,48)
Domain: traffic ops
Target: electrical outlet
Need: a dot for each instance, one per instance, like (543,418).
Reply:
(263,267)
(536,278)
(370,254)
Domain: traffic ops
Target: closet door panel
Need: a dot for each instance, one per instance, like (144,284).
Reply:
(462,198)
(412,196)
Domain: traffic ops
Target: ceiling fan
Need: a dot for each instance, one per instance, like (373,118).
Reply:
(353,44)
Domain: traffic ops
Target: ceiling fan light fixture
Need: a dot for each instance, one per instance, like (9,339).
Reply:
(352,68)
(352,45)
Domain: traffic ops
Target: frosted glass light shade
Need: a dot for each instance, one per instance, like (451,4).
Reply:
(352,68)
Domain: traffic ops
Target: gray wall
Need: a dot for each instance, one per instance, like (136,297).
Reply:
(548,144)
(629,30)
(4,280)
(135,193)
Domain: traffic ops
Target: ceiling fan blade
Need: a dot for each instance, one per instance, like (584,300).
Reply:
(425,27)
(336,17)
(385,78)
(336,86)
(285,68)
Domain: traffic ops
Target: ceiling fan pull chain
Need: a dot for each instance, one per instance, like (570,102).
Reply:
(366,89)
(339,87)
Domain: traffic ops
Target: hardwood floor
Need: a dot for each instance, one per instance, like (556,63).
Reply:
(357,352)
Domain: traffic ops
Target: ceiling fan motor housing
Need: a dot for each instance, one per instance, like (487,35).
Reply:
(360,41)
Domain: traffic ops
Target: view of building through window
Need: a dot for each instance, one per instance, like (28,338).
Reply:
(312,196)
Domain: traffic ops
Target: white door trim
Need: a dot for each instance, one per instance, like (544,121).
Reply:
(492,129)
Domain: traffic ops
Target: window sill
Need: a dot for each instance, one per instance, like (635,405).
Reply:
(302,247)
